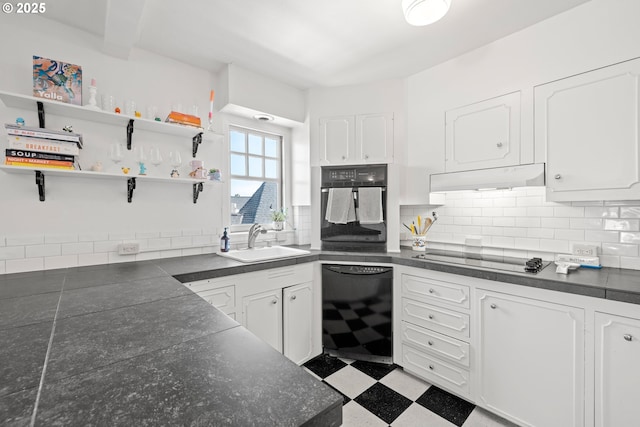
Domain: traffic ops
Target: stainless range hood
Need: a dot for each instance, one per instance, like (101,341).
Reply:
(493,178)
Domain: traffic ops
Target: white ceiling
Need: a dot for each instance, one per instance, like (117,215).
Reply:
(299,42)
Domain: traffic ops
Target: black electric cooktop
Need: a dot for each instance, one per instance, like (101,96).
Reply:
(521,265)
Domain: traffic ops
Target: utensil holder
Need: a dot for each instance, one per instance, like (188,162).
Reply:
(419,243)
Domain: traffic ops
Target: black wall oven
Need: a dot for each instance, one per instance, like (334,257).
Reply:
(353,208)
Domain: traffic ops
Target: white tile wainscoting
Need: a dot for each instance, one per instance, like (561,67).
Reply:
(521,223)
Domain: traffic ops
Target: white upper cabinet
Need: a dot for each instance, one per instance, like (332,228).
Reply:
(483,135)
(365,138)
(589,125)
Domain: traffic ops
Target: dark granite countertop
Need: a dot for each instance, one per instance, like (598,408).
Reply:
(127,344)
(609,283)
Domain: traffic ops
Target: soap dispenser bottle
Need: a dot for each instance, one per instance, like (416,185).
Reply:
(225,242)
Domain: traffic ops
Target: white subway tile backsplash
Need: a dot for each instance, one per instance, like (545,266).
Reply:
(568,211)
(602,236)
(12,252)
(116,258)
(77,248)
(192,232)
(567,234)
(523,223)
(147,234)
(122,235)
(622,224)
(601,212)
(93,236)
(550,245)
(630,238)
(60,238)
(105,246)
(539,211)
(35,251)
(619,249)
(93,259)
(25,240)
(555,222)
(586,223)
(24,264)
(504,221)
(3,241)
(3,269)
(64,261)
(540,233)
(630,212)
(525,243)
(180,242)
(191,251)
(170,233)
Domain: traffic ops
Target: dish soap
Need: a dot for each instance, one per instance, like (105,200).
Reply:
(225,242)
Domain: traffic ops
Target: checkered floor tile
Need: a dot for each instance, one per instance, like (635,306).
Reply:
(376,394)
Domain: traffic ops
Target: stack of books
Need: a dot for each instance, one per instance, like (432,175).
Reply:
(183,119)
(42,148)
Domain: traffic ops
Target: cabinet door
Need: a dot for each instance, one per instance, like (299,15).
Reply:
(617,343)
(531,360)
(589,125)
(298,322)
(337,139)
(262,315)
(374,137)
(483,135)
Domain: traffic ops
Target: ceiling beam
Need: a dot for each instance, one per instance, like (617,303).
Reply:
(122,26)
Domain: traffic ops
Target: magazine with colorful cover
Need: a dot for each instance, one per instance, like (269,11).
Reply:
(57,80)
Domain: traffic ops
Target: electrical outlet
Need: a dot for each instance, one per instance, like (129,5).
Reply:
(130,248)
(585,250)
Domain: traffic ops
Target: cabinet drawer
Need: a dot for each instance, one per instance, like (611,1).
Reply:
(221,298)
(437,319)
(437,291)
(440,373)
(209,284)
(287,276)
(437,344)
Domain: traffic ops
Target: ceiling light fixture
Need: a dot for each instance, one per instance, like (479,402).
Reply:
(424,12)
(263,117)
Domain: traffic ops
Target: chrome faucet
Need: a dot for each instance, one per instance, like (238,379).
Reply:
(253,233)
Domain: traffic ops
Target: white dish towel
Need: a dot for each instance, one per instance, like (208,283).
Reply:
(340,206)
(370,205)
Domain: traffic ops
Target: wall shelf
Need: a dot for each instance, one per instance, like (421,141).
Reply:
(132,180)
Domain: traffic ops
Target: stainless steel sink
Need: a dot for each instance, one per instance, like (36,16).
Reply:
(263,254)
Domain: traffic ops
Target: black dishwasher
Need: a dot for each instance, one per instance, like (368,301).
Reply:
(356,312)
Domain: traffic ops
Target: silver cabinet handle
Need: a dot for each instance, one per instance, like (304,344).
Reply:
(628,337)
(344,158)
(431,316)
(293,297)
(431,291)
(430,342)
(558,176)
(275,301)
(499,144)
(431,367)
(366,156)
(493,306)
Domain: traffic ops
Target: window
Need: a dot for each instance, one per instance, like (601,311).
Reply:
(256,176)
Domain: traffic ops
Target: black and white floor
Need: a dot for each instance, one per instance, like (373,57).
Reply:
(376,394)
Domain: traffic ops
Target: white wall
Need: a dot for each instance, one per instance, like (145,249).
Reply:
(379,97)
(83,220)
(592,35)
(595,34)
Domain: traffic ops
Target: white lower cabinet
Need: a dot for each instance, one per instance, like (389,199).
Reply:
(220,293)
(279,305)
(531,360)
(617,363)
(435,329)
